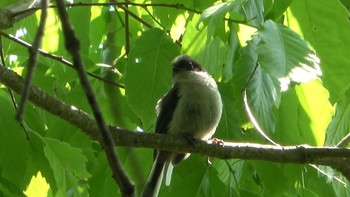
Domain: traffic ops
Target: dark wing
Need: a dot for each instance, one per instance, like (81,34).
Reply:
(166,108)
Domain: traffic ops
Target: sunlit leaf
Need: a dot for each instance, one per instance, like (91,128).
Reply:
(283,54)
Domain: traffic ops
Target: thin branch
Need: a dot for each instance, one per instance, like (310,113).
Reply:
(13,99)
(344,142)
(127,32)
(58,58)
(250,77)
(135,16)
(114,3)
(155,20)
(337,158)
(33,54)
(72,45)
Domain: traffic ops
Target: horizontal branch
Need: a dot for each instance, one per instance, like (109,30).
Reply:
(337,158)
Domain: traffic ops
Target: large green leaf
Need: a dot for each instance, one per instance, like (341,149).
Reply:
(325,25)
(15,165)
(67,162)
(263,90)
(283,54)
(148,73)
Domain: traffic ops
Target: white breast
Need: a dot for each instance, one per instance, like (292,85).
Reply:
(199,108)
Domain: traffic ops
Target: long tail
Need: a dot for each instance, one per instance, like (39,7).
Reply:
(154,181)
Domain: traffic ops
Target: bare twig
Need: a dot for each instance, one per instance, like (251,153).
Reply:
(33,54)
(59,59)
(250,77)
(344,142)
(9,16)
(13,99)
(72,44)
(337,158)
(114,3)
(127,30)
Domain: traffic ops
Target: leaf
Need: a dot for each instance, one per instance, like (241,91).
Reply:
(303,115)
(263,93)
(229,126)
(253,11)
(148,73)
(340,124)
(319,24)
(65,160)
(277,10)
(101,181)
(15,164)
(283,54)
(230,173)
(194,40)
(216,13)
(234,47)
(213,57)
(9,189)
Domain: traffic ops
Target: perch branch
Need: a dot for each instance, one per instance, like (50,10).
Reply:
(337,158)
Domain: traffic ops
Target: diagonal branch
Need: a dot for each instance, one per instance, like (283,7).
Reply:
(338,158)
(72,45)
(33,54)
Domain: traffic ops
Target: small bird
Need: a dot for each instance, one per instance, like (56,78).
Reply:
(191,108)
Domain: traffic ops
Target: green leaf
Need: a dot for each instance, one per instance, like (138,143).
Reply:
(230,173)
(234,47)
(15,154)
(65,160)
(340,124)
(303,115)
(216,13)
(148,73)
(9,189)
(263,94)
(278,8)
(283,54)
(194,40)
(229,126)
(253,10)
(213,57)
(101,181)
(319,22)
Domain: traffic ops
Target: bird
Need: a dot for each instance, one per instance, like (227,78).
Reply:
(191,109)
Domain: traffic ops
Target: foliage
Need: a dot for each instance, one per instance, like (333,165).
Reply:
(291,56)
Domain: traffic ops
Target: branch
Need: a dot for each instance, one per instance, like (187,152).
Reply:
(58,58)
(72,45)
(33,55)
(337,158)
(9,16)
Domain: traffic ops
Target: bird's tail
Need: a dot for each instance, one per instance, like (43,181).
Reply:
(154,181)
